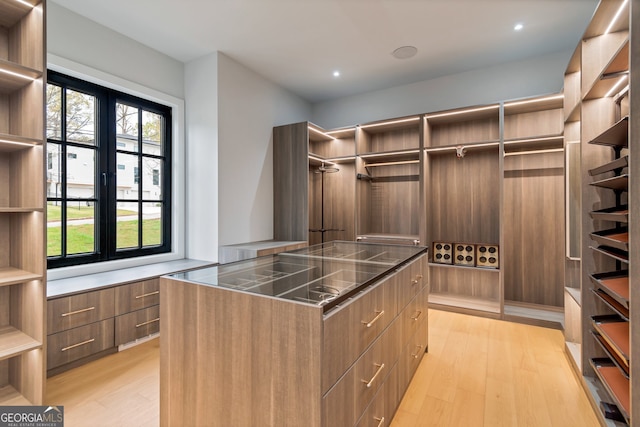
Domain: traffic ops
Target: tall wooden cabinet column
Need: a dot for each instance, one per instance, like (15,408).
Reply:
(607,307)
(314,183)
(22,202)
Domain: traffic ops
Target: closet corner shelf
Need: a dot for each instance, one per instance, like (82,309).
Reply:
(617,238)
(614,183)
(12,276)
(16,76)
(616,136)
(618,65)
(614,253)
(614,382)
(615,214)
(14,342)
(620,163)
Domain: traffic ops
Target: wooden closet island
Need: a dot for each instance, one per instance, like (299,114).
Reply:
(322,336)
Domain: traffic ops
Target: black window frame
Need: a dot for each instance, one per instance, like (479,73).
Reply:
(105,182)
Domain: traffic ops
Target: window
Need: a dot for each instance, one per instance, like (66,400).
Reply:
(108,174)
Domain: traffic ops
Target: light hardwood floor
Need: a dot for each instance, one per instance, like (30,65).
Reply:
(478,372)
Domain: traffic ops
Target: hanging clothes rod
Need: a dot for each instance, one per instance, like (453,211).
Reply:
(522,153)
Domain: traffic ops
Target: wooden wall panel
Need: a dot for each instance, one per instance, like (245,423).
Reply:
(454,133)
(395,199)
(533,261)
(339,203)
(534,124)
(290,182)
(5,113)
(399,139)
(464,197)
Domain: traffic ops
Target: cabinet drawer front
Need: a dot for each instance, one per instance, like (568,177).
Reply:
(414,315)
(136,296)
(412,355)
(349,330)
(411,280)
(78,310)
(348,399)
(74,344)
(383,407)
(136,325)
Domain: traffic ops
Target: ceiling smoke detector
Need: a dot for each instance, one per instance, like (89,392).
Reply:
(405,52)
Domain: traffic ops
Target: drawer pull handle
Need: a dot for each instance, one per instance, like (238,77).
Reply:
(147,322)
(370,382)
(415,356)
(375,319)
(79,344)
(379,420)
(419,276)
(417,316)
(78,311)
(414,282)
(147,295)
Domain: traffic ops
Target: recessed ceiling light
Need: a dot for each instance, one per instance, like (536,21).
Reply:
(404,52)
(518,27)
(336,73)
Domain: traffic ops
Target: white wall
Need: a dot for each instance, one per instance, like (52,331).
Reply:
(249,107)
(536,76)
(201,98)
(81,40)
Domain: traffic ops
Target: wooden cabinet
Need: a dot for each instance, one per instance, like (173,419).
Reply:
(136,296)
(87,325)
(22,215)
(314,190)
(389,181)
(286,363)
(77,343)
(602,119)
(78,310)
(138,324)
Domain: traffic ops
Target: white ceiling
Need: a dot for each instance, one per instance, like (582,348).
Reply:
(299,43)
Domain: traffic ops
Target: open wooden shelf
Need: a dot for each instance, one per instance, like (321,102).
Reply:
(620,163)
(411,155)
(615,331)
(614,382)
(614,283)
(10,143)
(614,253)
(614,183)
(551,142)
(615,214)
(9,396)
(616,136)
(618,66)
(14,342)
(12,276)
(12,12)
(466,302)
(616,238)
(611,354)
(16,76)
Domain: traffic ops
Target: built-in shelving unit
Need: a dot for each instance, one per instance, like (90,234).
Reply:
(22,257)
(603,125)
(389,181)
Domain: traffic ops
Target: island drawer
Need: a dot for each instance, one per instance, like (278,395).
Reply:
(350,329)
